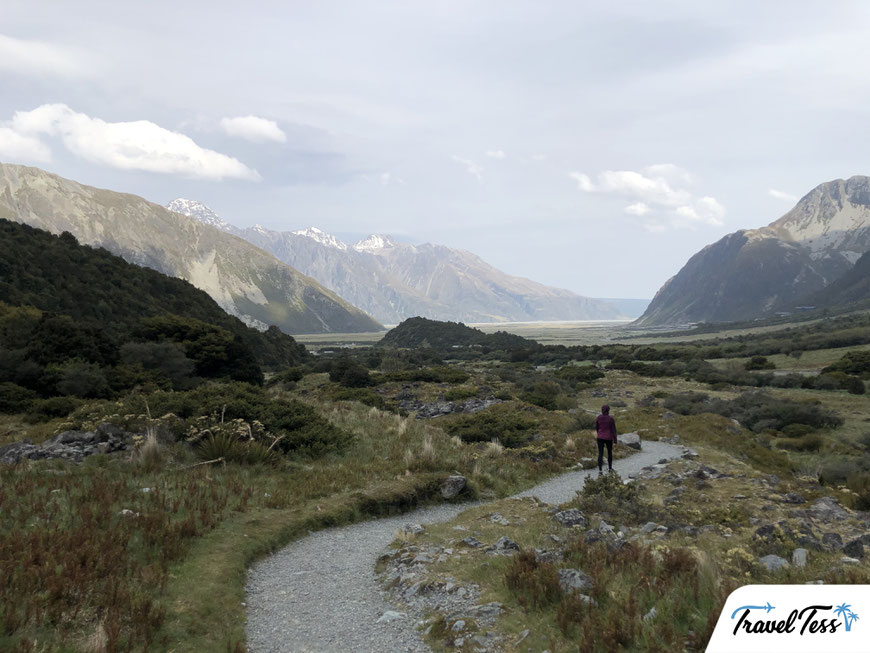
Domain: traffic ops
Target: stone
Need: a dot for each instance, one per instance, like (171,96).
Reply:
(652,614)
(773,563)
(649,527)
(631,440)
(846,560)
(504,546)
(472,542)
(496,518)
(669,415)
(574,580)
(487,610)
(854,549)
(832,541)
(458,626)
(793,497)
(452,486)
(127,513)
(799,557)
(390,615)
(543,555)
(827,509)
(413,529)
(571,517)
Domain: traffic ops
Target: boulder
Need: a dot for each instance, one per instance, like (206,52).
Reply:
(799,557)
(571,517)
(832,541)
(574,580)
(793,497)
(773,563)
(854,549)
(452,486)
(504,546)
(827,509)
(631,440)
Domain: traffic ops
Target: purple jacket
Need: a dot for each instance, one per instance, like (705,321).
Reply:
(605,428)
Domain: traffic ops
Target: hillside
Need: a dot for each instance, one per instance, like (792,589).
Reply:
(244,280)
(852,288)
(393,281)
(752,273)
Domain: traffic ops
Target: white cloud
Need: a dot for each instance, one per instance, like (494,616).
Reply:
(254,129)
(24,57)
(137,145)
(658,189)
(470,167)
(638,208)
(781,195)
(496,154)
(539,157)
(21,147)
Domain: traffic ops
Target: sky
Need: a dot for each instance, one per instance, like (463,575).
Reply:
(593,146)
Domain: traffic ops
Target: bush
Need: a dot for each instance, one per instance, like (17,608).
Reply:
(499,422)
(855,363)
(461,393)
(438,374)
(290,375)
(350,374)
(608,495)
(365,396)
(810,442)
(14,398)
(44,410)
(759,363)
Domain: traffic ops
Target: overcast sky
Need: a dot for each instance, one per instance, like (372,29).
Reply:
(592,146)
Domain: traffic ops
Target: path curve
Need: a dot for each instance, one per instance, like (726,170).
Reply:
(320,594)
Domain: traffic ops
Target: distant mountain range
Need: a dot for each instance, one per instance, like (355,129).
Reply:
(805,258)
(393,281)
(243,279)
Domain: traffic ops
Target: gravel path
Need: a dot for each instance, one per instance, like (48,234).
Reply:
(319,594)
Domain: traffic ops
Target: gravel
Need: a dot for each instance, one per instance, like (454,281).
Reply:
(320,594)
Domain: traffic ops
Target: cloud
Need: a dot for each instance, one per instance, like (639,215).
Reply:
(24,57)
(21,147)
(254,129)
(470,167)
(137,145)
(496,154)
(638,208)
(659,190)
(539,157)
(780,195)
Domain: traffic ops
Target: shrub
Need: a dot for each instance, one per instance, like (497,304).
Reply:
(504,424)
(609,495)
(290,375)
(437,374)
(810,442)
(855,363)
(584,421)
(535,584)
(759,363)
(350,374)
(14,398)
(365,396)
(44,410)
(544,394)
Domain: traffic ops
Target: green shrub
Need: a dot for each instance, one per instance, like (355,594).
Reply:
(855,363)
(438,374)
(44,410)
(14,398)
(290,375)
(365,396)
(759,363)
(501,422)
(810,442)
(608,495)
(350,374)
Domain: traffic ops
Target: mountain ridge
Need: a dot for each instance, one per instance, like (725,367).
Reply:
(244,280)
(394,281)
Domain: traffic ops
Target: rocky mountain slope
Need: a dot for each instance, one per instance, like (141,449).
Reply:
(244,280)
(751,273)
(393,281)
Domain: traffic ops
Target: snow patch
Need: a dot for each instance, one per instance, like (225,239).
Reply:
(321,237)
(374,243)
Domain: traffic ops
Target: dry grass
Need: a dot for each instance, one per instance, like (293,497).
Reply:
(494,449)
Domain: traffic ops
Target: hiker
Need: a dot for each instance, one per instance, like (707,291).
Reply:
(605,435)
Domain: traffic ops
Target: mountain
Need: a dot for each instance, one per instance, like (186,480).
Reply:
(244,280)
(394,281)
(853,287)
(754,272)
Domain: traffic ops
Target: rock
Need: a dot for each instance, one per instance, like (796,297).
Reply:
(413,529)
(652,614)
(832,541)
(588,600)
(452,486)
(390,615)
(487,610)
(543,555)
(631,440)
(846,560)
(574,580)
(793,497)
(458,626)
(827,509)
(649,527)
(523,635)
(810,542)
(854,549)
(496,518)
(127,513)
(504,546)
(669,415)
(604,528)
(571,517)
(773,563)
(472,542)
(799,557)
(18,451)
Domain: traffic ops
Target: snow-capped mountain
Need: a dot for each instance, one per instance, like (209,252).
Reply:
(321,237)
(394,281)
(775,268)
(199,211)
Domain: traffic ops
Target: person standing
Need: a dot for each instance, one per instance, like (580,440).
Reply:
(605,435)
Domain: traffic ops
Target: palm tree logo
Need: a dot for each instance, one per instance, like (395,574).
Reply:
(845,611)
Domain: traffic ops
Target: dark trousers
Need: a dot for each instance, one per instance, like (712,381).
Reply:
(601,444)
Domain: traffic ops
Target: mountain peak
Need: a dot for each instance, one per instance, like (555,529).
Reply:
(198,210)
(374,243)
(321,237)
